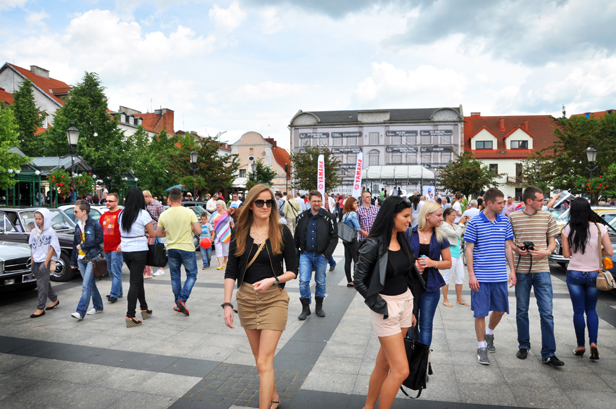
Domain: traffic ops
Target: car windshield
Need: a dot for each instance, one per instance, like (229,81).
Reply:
(5,224)
(59,220)
(564,217)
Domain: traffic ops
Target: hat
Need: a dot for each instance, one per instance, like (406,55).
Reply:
(188,194)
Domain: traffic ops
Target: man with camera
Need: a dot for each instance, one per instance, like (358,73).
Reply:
(533,228)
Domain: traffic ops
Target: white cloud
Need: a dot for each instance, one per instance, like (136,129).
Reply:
(9,4)
(268,90)
(36,19)
(227,20)
(271,21)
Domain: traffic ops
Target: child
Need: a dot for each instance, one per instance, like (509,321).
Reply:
(45,250)
(206,233)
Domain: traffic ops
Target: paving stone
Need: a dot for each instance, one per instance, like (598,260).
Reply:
(168,384)
(537,397)
(591,399)
(486,394)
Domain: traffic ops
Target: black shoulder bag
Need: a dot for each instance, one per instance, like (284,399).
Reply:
(418,356)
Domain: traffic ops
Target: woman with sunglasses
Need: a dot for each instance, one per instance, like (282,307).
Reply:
(431,248)
(390,295)
(259,245)
(223,223)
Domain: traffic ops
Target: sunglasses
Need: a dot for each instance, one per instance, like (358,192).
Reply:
(268,203)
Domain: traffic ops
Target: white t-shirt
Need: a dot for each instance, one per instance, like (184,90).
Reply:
(236,203)
(472,212)
(135,240)
(456,206)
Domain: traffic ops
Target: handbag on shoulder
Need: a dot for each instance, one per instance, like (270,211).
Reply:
(605,279)
(346,232)
(418,356)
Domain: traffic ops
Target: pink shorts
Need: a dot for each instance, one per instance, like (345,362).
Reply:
(400,315)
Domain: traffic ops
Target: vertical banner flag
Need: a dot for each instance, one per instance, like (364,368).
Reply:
(321,176)
(357,176)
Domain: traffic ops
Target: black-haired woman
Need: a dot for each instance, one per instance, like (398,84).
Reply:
(134,220)
(580,241)
(390,294)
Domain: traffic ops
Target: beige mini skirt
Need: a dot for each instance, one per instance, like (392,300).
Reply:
(263,310)
(400,315)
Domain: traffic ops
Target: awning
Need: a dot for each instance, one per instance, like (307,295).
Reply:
(401,172)
(240,182)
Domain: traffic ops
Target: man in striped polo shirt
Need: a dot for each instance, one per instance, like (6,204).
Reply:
(532,224)
(487,254)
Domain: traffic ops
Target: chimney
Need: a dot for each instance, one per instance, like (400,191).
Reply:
(501,124)
(41,72)
(475,113)
(525,125)
(272,141)
(167,120)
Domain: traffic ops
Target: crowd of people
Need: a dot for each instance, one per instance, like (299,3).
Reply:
(405,254)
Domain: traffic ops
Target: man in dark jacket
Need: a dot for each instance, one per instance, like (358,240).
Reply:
(316,237)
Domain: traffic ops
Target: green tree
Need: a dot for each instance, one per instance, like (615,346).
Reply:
(466,175)
(9,138)
(150,159)
(101,142)
(531,174)
(28,120)
(262,174)
(304,167)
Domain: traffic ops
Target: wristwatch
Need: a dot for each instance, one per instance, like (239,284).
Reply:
(224,304)
(277,282)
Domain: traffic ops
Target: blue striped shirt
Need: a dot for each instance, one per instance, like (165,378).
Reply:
(490,240)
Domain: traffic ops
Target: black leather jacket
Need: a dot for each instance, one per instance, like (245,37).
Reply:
(370,270)
(236,265)
(327,229)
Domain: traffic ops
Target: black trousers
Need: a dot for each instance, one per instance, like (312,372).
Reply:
(135,261)
(350,254)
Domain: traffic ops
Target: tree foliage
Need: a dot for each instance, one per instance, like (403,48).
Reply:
(263,174)
(28,120)
(9,138)
(466,175)
(62,182)
(150,160)
(84,184)
(304,166)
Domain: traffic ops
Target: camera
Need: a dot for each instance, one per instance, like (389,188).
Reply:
(528,245)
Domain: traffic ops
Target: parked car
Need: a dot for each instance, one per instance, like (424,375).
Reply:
(16,266)
(15,227)
(607,213)
(96,211)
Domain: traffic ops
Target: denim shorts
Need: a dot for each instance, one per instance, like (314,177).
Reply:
(490,297)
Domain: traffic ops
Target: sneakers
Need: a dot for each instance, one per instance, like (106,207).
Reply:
(112,299)
(77,316)
(204,267)
(94,311)
(158,272)
(332,268)
(482,356)
(522,353)
(490,343)
(553,361)
(182,306)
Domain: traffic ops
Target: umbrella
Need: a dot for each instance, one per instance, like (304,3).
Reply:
(178,186)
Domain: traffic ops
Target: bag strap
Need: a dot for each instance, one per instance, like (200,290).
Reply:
(256,254)
(601,266)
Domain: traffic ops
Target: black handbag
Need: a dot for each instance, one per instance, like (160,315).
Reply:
(157,255)
(418,356)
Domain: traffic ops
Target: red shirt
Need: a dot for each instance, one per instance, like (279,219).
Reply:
(111,230)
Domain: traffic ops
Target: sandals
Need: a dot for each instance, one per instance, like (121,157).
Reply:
(463,303)
(579,352)
(145,314)
(448,304)
(275,402)
(132,322)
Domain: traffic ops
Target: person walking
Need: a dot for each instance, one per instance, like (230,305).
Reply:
(87,247)
(453,233)
(178,224)
(391,296)
(367,214)
(350,248)
(206,233)
(316,237)
(487,255)
(533,271)
(456,205)
(259,245)
(472,211)
(580,241)
(155,208)
(44,252)
(222,223)
(291,210)
(431,248)
(111,241)
(134,220)
(415,209)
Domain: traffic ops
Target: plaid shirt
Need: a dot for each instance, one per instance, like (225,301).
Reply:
(366,218)
(155,209)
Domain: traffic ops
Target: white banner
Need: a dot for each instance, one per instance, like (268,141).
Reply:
(357,177)
(321,176)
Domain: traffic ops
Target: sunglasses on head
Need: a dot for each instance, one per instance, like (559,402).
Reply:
(268,203)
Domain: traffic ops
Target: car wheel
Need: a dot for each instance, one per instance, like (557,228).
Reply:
(63,272)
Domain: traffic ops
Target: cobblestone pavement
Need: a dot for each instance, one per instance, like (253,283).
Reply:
(196,362)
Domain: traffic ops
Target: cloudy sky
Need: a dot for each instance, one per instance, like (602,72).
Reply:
(245,65)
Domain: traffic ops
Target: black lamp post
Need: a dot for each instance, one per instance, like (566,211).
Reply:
(591,155)
(72,134)
(193,160)
(253,171)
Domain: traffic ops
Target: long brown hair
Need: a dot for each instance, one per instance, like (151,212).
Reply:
(245,219)
(348,205)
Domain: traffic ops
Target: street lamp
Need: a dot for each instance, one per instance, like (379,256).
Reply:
(72,134)
(591,155)
(253,171)
(193,160)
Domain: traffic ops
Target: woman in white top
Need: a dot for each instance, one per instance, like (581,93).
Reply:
(134,220)
(454,233)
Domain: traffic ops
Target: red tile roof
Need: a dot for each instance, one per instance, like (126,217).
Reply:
(6,96)
(596,115)
(154,122)
(49,86)
(539,127)
(281,155)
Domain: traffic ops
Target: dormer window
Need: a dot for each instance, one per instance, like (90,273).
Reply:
(483,145)
(519,144)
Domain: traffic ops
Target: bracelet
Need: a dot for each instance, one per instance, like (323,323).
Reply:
(225,304)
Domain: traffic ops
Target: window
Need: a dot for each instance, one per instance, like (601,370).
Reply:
(494,168)
(411,140)
(396,158)
(374,138)
(446,157)
(426,140)
(252,151)
(337,141)
(411,158)
(483,145)
(351,141)
(519,144)
(425,158)
(242,173)
(373,158)
(446,140)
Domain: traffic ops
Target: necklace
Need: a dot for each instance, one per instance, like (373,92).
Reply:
(426,238)
(259,235)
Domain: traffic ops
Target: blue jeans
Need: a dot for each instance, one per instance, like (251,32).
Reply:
(542,283)
(177,258)
(425,317)
(307,263)
(331,261)
(114,265)
(206,256)
(584,295)
(88,289)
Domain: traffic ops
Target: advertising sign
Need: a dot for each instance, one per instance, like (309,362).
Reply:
(357,176)
(321,176)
